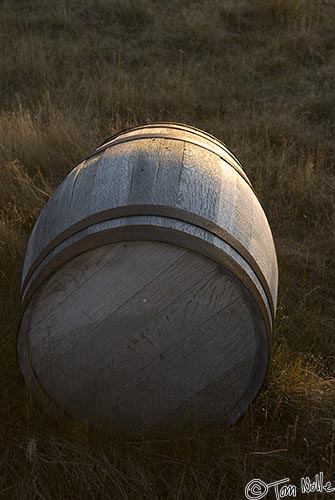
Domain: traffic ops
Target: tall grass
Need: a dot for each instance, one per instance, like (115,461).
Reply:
(259,74)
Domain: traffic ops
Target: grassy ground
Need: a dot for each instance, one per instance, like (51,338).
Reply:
(258,74)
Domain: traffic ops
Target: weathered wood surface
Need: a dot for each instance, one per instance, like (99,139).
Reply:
(160,177)
(187,136)
(133,333)
(167,128)
(149,285)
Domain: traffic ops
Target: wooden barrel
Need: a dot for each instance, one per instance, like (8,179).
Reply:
(149,285)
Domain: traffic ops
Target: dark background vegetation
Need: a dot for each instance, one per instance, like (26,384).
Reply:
(259,75)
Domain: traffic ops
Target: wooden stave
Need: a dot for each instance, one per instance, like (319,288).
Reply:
(176,126)
(170,133)
(155,210)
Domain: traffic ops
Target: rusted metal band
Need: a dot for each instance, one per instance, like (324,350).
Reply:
(154,210)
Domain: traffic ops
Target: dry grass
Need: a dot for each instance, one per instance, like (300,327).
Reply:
(259,74)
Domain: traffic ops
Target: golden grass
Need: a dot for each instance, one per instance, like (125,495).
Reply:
(259,75)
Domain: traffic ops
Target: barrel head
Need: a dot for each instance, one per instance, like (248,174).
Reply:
(141,334)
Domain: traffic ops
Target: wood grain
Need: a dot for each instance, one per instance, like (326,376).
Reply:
(148,172)
(153,314)
(153,228)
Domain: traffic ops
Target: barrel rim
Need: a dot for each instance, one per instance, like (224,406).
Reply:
(150,233)
(153,210)
(90,242)
(142,232)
